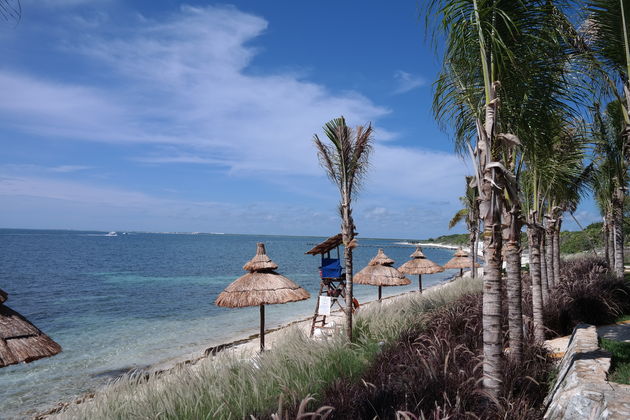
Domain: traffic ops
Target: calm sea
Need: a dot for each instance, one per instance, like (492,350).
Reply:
(136,299)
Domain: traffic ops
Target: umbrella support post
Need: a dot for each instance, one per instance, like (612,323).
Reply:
(461,272)
(420,282)
(380,290)
(262,328)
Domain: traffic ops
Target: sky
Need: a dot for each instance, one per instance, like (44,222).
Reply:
(172,116)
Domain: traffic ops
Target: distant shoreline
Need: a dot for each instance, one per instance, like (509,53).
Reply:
(432,245)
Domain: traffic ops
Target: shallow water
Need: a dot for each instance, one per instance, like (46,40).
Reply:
(130,301)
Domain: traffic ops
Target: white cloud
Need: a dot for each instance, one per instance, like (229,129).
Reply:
(406,82)
(415,174)
(181,87)
(69,168)
(183,82)
(81,205)
(59,3)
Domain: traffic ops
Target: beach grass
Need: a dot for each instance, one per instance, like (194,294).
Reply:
(233,386)
(620,366)
(623,318)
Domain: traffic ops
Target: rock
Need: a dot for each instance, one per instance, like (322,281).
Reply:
(582,390)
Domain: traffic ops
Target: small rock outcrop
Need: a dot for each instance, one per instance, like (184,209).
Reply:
(582,390)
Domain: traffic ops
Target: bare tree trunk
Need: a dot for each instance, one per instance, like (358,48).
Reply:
(551,281)
(556,251)
(473,253)
(611,239)
(515,309)
(608,251)
(476,254)
(492,337)
(543,268)
(491,191)
(617,210)
(533,237)
(347,231)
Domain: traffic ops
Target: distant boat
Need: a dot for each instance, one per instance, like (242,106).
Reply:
(112,234)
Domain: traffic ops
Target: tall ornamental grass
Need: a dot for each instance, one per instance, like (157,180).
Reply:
(588,292)
(435,373)
(229,386)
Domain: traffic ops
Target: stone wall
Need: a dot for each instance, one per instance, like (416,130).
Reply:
(581,390)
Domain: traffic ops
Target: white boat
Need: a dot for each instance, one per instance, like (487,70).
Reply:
(112,234)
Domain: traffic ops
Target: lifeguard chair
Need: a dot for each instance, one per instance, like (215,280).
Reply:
(333,279)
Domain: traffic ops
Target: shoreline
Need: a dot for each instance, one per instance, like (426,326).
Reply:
(433,245)
(245,346)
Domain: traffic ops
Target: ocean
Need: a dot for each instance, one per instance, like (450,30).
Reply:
(130,301)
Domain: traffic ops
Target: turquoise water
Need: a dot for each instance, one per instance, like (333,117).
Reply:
(133,300)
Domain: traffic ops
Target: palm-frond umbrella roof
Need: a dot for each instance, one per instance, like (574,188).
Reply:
(419,264)
(21,341)
(379,272)
(261,286)
(460,260)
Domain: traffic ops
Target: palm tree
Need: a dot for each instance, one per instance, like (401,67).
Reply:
(611,176)
(514,50)
(10,10)
(484,41)
(470,213)
(608,31)
(554,180)
(345,160)
(602,194)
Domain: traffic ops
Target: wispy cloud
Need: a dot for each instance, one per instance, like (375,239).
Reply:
(63,3)
(182,82)
(181,88)
(406,82)
(93,206)
(69,168)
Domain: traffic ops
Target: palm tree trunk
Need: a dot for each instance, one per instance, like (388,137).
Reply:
(347,231)
(473,253)
(543,268)
(533,237)
(608,251)
(515,309)
(556,251)
(492,337)
(476,254)
(551,281)
(617,210)
(611,243)
(610,238)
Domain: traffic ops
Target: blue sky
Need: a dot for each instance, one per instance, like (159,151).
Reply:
(199,116)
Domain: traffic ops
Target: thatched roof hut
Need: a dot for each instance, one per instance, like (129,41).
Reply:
(21,341)
(419,264)
(379,272)
(261,286)
(460,260)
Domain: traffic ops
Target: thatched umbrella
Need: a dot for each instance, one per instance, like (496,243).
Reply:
(21,341)
(460,260)
(379,272)
(261,286)
(419,264)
